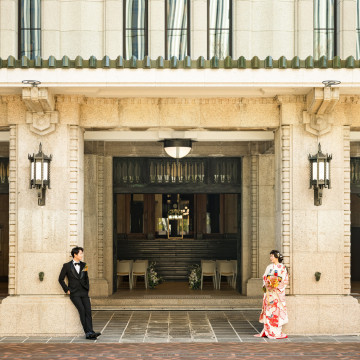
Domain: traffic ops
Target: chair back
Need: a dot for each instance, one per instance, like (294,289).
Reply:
(140,267)
(226,267)
(123,266)
(208,267)
(234,263)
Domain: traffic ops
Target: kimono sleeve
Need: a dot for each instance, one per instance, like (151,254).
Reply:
(285,279)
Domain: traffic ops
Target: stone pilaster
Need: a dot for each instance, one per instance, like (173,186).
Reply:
(347,212)
(315,238)
(254,216)
(12,211)
(98,223)
(41,236)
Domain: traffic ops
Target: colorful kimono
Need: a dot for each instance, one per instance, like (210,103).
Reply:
(274,312)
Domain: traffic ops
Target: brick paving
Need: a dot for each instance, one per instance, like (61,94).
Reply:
(178,351)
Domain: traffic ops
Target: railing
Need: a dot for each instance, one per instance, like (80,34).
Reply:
(4,171)
(156,172)
(355,171)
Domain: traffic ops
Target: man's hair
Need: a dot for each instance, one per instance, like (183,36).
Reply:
(76,250)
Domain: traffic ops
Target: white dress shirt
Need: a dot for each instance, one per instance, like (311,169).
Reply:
(77,267)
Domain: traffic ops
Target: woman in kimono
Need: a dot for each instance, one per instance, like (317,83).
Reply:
(274,312)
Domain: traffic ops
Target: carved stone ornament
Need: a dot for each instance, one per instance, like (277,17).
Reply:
(42,123)
(318,117)
(40,115)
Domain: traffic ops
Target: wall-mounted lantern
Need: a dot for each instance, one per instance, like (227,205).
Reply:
(177,148)
(40,173)
(319,174)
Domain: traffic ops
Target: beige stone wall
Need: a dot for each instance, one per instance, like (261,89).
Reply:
(260,27)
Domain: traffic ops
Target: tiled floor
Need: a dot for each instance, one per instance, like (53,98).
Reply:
(179,327)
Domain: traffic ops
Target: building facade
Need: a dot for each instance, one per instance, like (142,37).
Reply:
(244,81)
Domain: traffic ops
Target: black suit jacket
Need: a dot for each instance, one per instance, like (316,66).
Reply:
(78,284)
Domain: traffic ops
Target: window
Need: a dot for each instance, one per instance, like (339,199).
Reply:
(325,28)
(219,28)
(177,28)
(135,28)
(30,28)
(358,29)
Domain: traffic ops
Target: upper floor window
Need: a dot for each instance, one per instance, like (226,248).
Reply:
(358,29)
(325,28)
(177,28)
(219,28)
(135,28)
(30,28)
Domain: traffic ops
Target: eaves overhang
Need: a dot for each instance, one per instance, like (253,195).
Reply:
(187,78)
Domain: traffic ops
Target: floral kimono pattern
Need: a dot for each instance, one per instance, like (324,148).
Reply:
(274,312)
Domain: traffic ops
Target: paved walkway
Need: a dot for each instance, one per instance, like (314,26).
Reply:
(178,351)
(178,327)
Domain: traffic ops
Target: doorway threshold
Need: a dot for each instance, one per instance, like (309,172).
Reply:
(176,296)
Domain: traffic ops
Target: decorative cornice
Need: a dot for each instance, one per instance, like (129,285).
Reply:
(287,99)
(101,101)
(195,101)
(188,63)
(78,99)
(349,99)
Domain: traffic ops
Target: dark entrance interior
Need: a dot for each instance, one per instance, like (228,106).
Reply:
(355,225)
(177,212)
(4,226)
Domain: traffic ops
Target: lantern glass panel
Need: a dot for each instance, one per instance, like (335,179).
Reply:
(327,171)
(314,171)
(46,171)
(321,171)
(38,171)
(32,171)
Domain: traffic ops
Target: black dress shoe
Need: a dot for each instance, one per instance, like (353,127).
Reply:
(96,334)
(90,336)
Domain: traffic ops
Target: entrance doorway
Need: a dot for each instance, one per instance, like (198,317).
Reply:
(177,213)
(355,226)
(4,226)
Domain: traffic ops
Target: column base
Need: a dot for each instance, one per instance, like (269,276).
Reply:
(322,314)
(99,287)
(254,287)
(39,315)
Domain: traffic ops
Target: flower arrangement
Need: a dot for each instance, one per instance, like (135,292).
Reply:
(85,268)
(195,277)
(153,278)
(274,281)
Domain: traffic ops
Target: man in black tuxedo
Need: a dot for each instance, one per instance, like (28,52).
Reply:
(78,289)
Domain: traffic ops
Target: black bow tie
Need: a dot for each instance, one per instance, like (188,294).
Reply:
(77,264)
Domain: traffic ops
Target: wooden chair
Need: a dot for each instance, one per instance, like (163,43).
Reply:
(124,268)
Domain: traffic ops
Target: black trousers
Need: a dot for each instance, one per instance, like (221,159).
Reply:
(83,306)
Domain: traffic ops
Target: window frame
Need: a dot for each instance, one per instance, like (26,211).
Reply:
(336,30)
(20,29)
(188,35)
(146,30)
(230,28)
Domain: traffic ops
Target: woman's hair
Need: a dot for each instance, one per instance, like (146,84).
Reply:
(278,255)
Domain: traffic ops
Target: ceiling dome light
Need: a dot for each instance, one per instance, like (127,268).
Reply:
(177,148)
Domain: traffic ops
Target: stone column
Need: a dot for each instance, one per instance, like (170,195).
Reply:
(262,214)
(315,238)
(99,223)
(41,237)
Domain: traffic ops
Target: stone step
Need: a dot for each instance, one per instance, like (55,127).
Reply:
(177,302)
